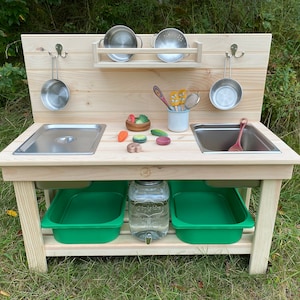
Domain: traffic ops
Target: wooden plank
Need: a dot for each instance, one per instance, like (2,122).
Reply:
(84,61)
(125,244)
(265,221)
(110,172)
(95,91)
(80,103)
(31,229)
(182,152)
(103,117)
(89,81)
(211,42)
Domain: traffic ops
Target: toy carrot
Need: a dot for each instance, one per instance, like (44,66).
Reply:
(122,136)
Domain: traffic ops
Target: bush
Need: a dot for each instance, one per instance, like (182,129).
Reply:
(13,14)
(13,84)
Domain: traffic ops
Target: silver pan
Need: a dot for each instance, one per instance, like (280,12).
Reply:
(54,93)
(226,93)
(121,36)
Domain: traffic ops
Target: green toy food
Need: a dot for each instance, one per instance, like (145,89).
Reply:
(158,132)
(139,138)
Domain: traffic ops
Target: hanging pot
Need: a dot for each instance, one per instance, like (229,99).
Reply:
(55,94)
(226,93)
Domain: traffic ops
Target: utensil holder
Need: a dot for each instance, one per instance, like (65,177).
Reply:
(178,121)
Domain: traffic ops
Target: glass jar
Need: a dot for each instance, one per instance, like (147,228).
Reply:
(148,209)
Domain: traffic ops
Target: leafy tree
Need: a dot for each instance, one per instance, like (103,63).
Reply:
(13,14)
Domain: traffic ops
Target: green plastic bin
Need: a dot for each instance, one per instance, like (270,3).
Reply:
(206,215)
(87,216)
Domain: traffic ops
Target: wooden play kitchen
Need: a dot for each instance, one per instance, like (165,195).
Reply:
(105,92)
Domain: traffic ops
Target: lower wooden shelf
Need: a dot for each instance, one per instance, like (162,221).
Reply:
(127,245)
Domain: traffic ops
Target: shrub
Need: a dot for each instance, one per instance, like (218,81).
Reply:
(13,83)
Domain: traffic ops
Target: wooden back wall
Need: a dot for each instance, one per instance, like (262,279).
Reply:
(104,94)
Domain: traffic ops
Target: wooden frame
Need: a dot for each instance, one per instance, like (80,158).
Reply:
(107,94)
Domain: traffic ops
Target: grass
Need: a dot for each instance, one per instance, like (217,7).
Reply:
(166,277)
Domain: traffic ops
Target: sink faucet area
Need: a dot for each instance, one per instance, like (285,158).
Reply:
(217,138)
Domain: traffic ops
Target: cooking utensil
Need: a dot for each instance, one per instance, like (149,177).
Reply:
(226,93)
(170,38)
(175,101)
(182,96)
(160,95)
(237,146)
(191,100)
(120,36)
(54,93)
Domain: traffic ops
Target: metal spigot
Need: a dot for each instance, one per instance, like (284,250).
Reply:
(148,238)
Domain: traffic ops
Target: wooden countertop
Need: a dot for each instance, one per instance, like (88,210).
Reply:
(183,150)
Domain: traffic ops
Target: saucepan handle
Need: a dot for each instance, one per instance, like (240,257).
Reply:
(99,43)
(141,46)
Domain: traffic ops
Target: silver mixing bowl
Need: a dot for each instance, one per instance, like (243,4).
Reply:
(170,38)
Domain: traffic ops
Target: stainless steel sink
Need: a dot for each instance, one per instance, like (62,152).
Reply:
(218,138)
(63,139)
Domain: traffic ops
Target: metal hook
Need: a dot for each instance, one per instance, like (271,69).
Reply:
(59,49)
(227,55)
(233,49)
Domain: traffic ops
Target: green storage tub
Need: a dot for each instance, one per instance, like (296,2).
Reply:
(206,215)
(88,216)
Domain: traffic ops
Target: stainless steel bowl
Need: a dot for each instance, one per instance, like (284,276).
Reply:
(120,36)
(225,94)
(170,38)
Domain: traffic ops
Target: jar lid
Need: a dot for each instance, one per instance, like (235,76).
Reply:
(148,182)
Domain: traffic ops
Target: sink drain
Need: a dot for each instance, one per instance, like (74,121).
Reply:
(65,139)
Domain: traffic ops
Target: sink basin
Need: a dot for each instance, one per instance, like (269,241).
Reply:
(218,138)
(63,139)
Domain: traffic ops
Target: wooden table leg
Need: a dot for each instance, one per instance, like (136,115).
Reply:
(264,226)
(30,223)
(246,195)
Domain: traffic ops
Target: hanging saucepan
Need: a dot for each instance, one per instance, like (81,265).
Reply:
(226,93)
(55,94)
(120,36)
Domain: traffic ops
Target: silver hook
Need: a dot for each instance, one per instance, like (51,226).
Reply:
(59,49)
(233,49)
(227,55)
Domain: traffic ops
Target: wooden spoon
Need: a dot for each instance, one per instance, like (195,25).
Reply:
(160,95)
(237,146)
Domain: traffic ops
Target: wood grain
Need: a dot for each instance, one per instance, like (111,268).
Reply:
(120,87)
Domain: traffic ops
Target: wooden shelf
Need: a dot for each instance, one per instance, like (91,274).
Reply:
(143,60)
(127,245)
